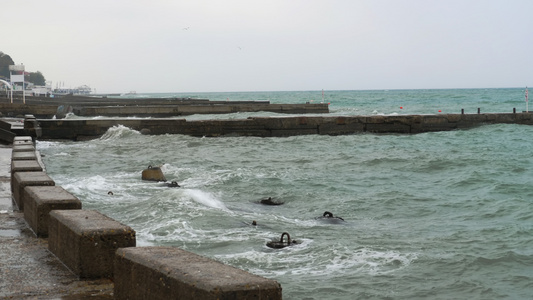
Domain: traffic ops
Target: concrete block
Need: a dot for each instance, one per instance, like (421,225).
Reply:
(375,119)
(440,120)
(23,148)
(153,174)
(86,241)
(474,118)
(6,136)
(294,132)
(20,180)
(173,273)
(25,166)
(40,200)
(419,128)
(5,125)
(23,155)
(22,143)
(341,125)
(388,128)
(23,139)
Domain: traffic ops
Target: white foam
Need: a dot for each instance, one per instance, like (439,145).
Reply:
(93,183)
(45,144)
(205,198)
(63,154)
(335,261)
(118,132)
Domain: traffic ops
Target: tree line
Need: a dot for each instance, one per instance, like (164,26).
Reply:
(36,78)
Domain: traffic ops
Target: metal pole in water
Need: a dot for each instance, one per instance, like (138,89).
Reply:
(527,102)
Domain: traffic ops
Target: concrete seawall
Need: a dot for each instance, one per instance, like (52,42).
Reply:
(100,252)
(280,126)
(156,108)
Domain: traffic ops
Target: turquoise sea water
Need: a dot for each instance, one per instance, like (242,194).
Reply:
(441,215)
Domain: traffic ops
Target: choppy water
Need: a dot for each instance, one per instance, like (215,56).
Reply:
(442,215)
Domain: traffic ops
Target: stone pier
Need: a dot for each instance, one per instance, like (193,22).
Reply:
(281,126)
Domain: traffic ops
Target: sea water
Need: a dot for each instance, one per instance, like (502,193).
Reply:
(440,215)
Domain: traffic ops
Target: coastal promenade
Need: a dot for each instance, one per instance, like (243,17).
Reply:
(28,270)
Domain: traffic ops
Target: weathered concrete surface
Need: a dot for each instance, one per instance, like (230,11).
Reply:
(19,110)
(6,136)
(25,166)
(5,179)
(40,200)
(86,241)
(22,142)
(27,269)
(153,174)
(23,148)
(20,180)
(165,111)
(47,108)
(281,126)
(26,155)
(172,273)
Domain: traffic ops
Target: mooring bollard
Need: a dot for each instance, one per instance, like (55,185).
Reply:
(462,111)
(478,110)
(281,243)
(153,174)
(514,110)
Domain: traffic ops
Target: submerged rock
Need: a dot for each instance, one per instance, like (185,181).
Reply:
(62,111)
(173,184)
(270,201)
(146,131)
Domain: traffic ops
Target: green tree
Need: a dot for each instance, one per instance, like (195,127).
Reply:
(5,62)
(36,78)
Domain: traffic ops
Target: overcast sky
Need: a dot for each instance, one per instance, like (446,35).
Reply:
(249,45)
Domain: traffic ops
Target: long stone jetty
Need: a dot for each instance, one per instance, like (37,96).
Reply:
(274,126)
(43,107)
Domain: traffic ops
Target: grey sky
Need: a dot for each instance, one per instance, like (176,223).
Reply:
(248,45)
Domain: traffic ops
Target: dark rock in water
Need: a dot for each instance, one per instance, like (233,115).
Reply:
(270,201)
(173,184)
(63,110)
(153,174)
(253,224)
(282,244)
(330,218)
(145,131)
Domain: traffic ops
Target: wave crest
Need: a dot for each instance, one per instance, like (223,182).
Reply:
(119,132)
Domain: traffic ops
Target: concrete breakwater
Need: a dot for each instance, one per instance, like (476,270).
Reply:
(155,108)
(278,126)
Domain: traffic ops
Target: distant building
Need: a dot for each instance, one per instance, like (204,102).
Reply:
(83,90)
